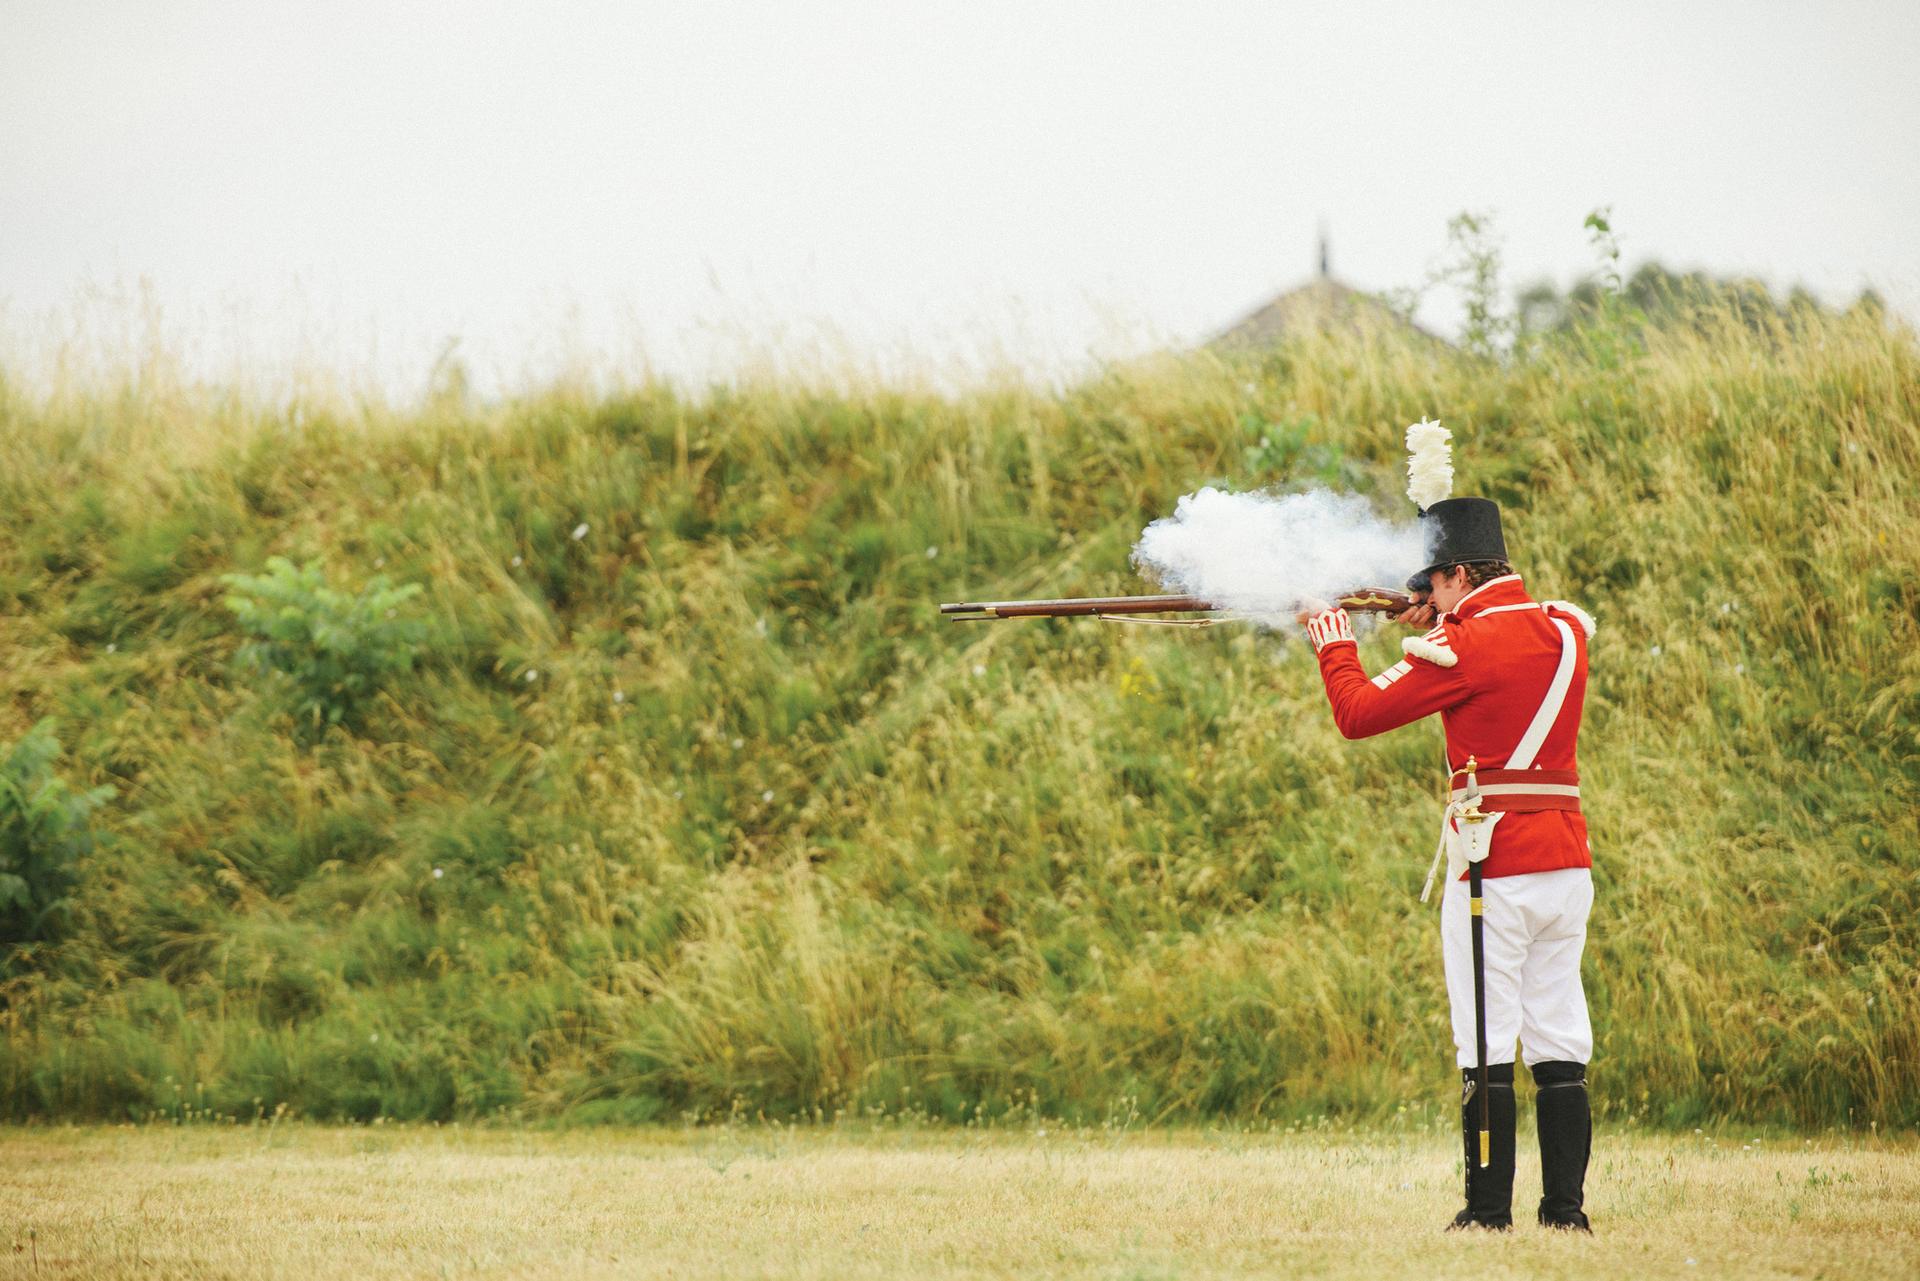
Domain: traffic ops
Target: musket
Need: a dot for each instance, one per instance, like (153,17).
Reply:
(1370,600)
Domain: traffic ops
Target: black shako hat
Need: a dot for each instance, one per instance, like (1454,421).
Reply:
(1459,532)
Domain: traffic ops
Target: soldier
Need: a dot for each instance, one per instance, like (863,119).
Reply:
(1507,675)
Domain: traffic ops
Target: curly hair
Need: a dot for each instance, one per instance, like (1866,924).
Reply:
(1482,572)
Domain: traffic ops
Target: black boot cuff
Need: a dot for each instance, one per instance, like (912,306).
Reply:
(1559,1072)
(1497,1074)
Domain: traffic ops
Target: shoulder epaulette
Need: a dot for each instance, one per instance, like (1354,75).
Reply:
(1435,647)
(1580,616)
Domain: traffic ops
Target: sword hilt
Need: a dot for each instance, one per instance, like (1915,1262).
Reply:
(1470,811)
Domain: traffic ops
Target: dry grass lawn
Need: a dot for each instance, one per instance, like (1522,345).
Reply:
(744,1202)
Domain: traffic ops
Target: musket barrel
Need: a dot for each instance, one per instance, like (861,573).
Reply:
(1365,600)
(1079,607)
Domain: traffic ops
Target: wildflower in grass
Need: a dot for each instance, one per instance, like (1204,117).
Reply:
(580,531)
(739,743)
(979,669)
(932,552)
(1654,650)
(516,562)
(532,675)
(619,696)
(767,795)
(439,872)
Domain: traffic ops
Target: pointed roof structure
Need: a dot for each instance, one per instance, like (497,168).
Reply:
(1319,304)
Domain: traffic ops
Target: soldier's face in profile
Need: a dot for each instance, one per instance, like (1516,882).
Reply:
(1449,587)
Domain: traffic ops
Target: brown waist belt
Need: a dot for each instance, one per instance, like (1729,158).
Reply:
(1523,791)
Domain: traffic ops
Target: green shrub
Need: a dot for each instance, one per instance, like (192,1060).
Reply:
(1287,452)
(43,833)
(334,648)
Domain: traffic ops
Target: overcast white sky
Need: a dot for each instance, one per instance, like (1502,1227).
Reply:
(353,183)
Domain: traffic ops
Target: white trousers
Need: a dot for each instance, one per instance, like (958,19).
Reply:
(1535,929)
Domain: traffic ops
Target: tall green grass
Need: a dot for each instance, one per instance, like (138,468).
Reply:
(706,810)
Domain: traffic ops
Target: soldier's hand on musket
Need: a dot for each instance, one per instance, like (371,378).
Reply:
(1420,614)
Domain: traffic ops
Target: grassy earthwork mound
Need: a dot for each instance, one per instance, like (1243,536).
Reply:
(668,794)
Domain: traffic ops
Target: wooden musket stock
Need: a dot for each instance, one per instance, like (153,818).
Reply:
(1371,600)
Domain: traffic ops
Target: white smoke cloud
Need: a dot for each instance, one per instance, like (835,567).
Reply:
(1264,555)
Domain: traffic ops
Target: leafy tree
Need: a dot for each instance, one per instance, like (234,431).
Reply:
(1656,294)
(1474,265)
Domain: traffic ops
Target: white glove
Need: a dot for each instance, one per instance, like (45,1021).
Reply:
(1328,627)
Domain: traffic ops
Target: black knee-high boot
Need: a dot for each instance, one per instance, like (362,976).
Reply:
(1489,1186)
(1566,1139)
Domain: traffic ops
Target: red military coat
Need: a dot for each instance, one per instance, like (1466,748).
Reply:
(1485,668)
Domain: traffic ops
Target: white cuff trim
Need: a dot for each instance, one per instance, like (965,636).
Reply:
(1328,627)
(1581,616)
(1421,647)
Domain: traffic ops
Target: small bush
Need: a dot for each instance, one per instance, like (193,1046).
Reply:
(43,833)
(1287,452)
(334,648)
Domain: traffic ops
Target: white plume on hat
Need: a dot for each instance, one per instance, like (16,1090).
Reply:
(1429,463)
